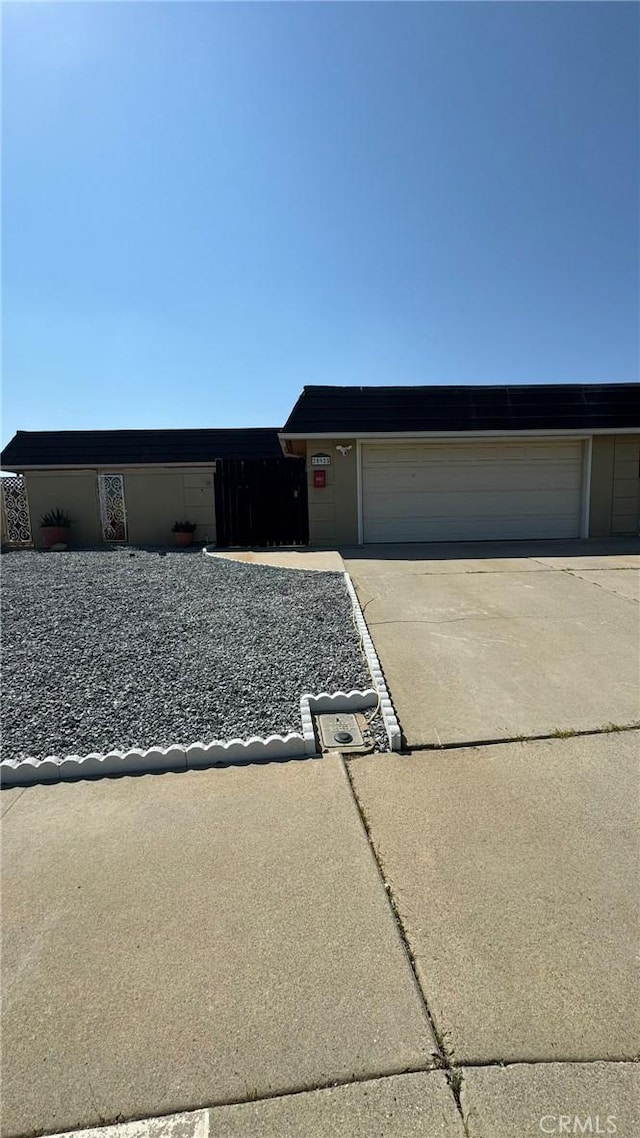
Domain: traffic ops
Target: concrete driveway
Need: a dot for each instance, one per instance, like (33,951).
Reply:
(504,641)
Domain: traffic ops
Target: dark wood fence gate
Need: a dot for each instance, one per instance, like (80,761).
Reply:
(261,501)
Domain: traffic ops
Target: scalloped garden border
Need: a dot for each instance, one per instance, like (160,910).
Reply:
(198,756)
(389,717)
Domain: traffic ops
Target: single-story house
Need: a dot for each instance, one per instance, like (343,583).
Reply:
(357,465)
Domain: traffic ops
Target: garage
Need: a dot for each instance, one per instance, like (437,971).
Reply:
(471,491)
(468,462)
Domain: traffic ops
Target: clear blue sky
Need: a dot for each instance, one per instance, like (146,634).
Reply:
(207,206)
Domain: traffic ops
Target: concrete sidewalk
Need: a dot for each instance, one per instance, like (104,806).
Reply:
(190,939)
(513,870)
(522,1101)
(224,939)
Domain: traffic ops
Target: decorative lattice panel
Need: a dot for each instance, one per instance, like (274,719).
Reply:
(113,513)
(15,505)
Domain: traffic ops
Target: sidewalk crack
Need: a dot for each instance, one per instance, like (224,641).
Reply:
(548,736)
(444,1055)
(12,804)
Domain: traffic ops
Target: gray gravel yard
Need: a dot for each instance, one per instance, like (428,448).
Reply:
(117,648)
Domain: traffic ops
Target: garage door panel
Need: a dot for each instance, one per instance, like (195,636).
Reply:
(457,505)
(416,479)
(452,454)
(457,492)
(471,529)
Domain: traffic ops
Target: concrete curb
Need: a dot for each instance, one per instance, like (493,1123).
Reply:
(199,755)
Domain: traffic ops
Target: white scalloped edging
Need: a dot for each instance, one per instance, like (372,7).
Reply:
(392,727)
(198,756)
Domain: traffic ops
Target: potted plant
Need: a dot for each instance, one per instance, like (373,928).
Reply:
(184,532)
(55,526)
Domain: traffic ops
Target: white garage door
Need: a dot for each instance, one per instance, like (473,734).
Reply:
(471,491)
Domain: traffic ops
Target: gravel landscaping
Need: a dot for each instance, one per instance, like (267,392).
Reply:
(117,648)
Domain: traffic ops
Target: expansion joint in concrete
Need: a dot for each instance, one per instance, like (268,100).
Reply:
(552,736)
(547,1061)
(442,1057)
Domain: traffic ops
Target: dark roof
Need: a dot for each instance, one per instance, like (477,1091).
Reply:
(124,448)
(355,410)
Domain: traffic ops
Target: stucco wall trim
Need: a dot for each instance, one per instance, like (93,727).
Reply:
(150,466)
(359,492)
(586,487)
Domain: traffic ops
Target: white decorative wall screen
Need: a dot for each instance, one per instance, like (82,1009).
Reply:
(15,504)
(113,514)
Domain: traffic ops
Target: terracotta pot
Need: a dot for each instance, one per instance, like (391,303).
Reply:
(183,538)
(55,535)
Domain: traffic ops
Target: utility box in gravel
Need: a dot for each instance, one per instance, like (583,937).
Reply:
(340,732)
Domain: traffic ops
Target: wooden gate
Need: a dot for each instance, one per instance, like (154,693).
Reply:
(261,501)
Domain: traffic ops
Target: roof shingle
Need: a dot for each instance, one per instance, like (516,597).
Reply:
(355,410)
(125,448)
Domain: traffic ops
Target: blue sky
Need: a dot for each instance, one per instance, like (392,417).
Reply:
(206,206)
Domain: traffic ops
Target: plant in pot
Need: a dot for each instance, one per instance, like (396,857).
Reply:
(184,532)
(55,526)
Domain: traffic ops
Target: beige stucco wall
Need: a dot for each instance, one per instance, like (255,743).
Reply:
(601,485)
(625,512)
(159,496)
(155,498)
(76,492)
(333,512)
(3,524)
(615,485)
